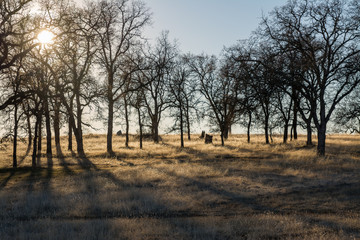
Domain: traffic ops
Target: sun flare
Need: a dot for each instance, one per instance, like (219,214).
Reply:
(45,37)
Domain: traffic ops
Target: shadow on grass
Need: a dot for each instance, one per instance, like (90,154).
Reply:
(90,185)
(11,172)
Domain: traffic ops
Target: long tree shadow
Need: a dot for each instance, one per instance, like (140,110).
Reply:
(11,173)
(64,164)
(85,163)
(155,208)
(92,188)
(231,197)
(238,149)
(260,203)
(189,150)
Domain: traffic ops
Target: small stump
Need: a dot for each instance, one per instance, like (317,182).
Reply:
(119,133)
(202,135)
(208,138)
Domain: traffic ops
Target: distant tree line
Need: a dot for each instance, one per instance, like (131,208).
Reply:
(299,69)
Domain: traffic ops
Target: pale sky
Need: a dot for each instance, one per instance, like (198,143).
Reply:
(207,25)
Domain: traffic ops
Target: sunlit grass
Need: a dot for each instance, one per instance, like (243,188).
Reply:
(203,191)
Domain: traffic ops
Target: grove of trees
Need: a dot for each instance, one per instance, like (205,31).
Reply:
(299,69)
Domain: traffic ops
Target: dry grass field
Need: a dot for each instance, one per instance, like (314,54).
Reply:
(240,191)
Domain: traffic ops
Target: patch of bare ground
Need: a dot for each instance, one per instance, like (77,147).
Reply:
(236,191)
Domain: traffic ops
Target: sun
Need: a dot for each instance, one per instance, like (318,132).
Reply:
(45,37)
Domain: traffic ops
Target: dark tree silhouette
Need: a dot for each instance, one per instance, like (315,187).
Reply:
(178,90)
(161,61)
(119,30)
(219,90)
(326,35)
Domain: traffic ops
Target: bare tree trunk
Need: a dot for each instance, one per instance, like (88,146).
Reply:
(155,128)
(248,128)
(71,124)
(70,133)
(15,137)
(309,134)
(57,129)
(110,127)
(140,129)
(226,132)
(286,129)
(294,123)
(79,143)
(266,128)
(39,146)
(28,120)
(78,132)
(34,154)
(321,139)
(321,127)
(48,130)
(188,124)
(127,123)
(181,127)
(295,112)
(70,144)
(156,133)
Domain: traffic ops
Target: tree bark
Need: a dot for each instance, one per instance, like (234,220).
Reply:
(29,134)
(39,137)
(70,133)
(295,112)
(110,127)
(321,125)
(294,123)
(127,123)
(57,129)
(78,132)
(226,132)
(286,132)
(266,129)
(222,139)
(248,128)
(79,143)
(140,129)
(155,130)
(48,129)
(321,139)
(34,154)
(309,134)
(15,137)
(70,143)
(181,127)
(188,124)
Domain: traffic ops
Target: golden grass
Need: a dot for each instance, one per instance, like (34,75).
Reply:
(239,191)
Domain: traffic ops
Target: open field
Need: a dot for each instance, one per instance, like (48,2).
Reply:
(240,191)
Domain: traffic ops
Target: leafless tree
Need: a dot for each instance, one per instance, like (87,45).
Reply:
(120,26)
(161,61)
(220,91)
(16,41)
(75,49)
(13,15)
(327,37)
(180,93)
